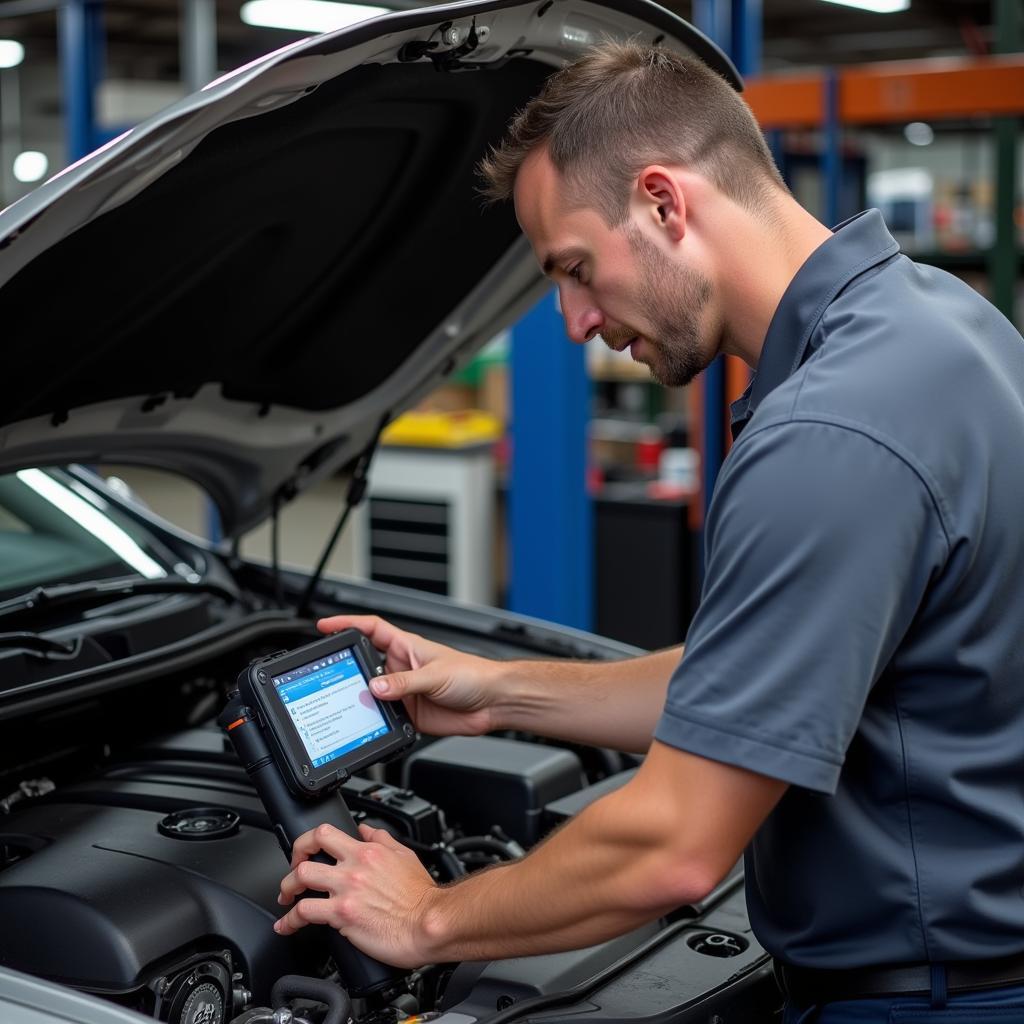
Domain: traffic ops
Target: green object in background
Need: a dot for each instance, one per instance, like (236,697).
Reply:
(494,353)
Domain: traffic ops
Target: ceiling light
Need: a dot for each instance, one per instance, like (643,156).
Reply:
(11,53)
(875,6)
(30,166)
(917,133)
(307,15)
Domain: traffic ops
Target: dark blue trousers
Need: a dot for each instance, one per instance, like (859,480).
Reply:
(994,1006)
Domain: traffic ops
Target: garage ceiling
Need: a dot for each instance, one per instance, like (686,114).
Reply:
(142,35)
(142,66)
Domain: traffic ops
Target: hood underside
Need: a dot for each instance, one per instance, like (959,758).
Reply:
(242,288)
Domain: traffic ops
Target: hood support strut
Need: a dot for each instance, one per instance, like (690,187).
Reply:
(356,493)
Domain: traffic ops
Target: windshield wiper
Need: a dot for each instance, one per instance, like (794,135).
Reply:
(41,600)
(42,646)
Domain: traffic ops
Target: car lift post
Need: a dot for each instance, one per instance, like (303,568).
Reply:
(550,513)
(735,26)
(81,45)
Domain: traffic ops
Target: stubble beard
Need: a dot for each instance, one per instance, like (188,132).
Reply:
(673,299)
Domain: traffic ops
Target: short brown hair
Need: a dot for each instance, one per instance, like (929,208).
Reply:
(623,106)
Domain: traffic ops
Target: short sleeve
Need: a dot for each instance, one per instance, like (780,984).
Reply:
(820,542)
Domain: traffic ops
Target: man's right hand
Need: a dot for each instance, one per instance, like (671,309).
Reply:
(446,692)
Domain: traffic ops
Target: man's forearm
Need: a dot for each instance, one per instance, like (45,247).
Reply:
(664,839)
(607,872)
(609,704)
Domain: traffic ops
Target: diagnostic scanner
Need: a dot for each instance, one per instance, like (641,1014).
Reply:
(301,722)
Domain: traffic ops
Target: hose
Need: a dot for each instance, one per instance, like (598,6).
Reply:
(297,986)
(507,849)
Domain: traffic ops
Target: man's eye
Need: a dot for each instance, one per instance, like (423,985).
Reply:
(576,272)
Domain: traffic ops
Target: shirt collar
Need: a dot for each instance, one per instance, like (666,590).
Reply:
(857,245)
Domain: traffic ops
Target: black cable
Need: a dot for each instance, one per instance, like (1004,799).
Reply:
(356,493)
(507,849)
(438,854)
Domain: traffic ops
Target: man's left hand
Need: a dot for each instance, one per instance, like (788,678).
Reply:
(377,893)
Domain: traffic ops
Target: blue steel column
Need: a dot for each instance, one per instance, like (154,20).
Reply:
(550,512)
(80,30)
(736,26)
(776,145)
(714,19)
(747,35)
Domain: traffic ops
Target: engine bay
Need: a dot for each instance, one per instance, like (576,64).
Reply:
(138,864)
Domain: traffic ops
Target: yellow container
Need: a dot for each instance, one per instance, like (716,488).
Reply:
(443,429)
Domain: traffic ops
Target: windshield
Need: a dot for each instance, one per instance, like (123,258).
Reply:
(54,529)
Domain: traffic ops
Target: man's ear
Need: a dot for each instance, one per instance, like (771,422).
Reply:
(661,198)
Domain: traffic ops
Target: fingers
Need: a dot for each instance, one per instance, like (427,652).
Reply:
(322,839)
(382,836)
(377,630)
(396,685)
(309,876)
(312,911)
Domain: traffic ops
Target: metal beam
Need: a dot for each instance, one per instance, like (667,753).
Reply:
(550,511)
(198,43)
(10,132)
(714,19)
(735,25)
(21,8)
(747,35)
(80,41)
(1004,259)
(898,92)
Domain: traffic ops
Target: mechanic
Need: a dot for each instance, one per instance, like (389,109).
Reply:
(849,710)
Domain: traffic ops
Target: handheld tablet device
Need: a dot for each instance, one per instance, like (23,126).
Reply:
(301,722)
(321,719)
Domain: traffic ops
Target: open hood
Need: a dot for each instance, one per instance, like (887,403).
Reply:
(244,287)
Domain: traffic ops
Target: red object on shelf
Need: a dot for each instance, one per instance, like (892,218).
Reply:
(648,451)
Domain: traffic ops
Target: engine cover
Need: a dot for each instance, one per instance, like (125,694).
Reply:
(104,900)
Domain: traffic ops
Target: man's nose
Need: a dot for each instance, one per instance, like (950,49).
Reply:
(583,320)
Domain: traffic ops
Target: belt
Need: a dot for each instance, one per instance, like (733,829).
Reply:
(809,986)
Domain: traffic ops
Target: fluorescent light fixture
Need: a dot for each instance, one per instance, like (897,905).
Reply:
(918,133)
(875,6)
(11,53)
(30,166)
(91,519)
(307,15)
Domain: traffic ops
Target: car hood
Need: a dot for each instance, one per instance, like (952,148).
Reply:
(243,288)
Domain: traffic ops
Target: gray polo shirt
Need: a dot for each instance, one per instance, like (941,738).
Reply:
(861,631)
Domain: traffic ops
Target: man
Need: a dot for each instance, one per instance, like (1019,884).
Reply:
(849,709)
